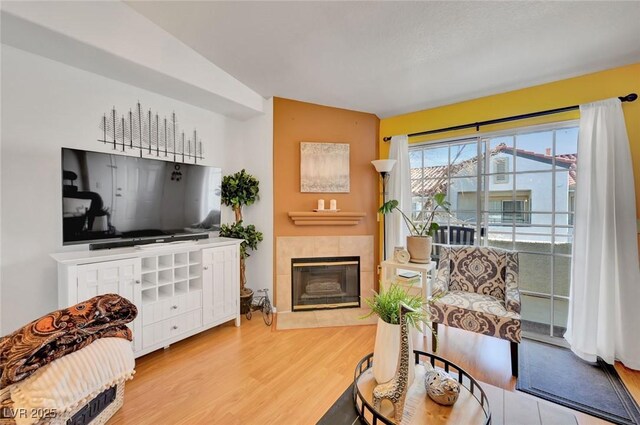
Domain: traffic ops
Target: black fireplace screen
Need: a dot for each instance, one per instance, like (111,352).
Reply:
(328,282)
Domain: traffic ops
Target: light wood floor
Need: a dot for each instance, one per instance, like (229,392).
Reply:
(257,375)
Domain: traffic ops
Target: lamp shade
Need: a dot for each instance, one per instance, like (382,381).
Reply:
(384,165)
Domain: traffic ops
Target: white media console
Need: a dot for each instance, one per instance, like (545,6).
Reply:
(180,289)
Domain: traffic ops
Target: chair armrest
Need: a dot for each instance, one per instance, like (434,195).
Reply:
(440,284)
(512,293)
(513,300)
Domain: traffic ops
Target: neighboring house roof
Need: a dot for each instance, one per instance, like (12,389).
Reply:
(573,159)
(428,181)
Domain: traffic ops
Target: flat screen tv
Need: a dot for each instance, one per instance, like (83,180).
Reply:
(117,197)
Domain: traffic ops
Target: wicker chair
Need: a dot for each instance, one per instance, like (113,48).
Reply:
(476,289)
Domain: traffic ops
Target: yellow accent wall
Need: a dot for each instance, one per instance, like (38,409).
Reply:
(573,91)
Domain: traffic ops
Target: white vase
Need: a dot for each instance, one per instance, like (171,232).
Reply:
(387,351)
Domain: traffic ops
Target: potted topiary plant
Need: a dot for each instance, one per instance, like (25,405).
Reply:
(238,190)
(386,305)
(423,228)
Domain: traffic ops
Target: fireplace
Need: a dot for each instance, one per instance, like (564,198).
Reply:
(325,282)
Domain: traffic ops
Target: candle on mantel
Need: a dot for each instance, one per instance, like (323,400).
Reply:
(333,205)
(320,204)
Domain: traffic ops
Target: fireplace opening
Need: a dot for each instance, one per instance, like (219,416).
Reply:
(325,282)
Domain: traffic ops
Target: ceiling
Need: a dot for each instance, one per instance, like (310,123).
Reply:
(394,57)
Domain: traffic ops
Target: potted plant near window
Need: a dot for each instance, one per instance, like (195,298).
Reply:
(422,228)
(241,189)
(386,304)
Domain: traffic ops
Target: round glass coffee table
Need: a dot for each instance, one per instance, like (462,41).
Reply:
(471,408)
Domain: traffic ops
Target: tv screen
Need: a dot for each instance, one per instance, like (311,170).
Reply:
(108,196)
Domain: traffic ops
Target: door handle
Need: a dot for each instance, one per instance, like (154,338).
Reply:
(137,281)
(206,268)
(118,195)
(174,327)
(174,307)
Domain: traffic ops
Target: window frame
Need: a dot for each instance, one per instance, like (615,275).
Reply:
(501,177)
(482,139)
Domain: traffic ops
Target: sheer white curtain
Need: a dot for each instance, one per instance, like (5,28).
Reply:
(604,306)
(398,188)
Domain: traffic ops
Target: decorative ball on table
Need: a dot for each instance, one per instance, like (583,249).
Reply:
(441,387)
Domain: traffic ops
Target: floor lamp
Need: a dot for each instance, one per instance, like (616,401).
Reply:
(384,167)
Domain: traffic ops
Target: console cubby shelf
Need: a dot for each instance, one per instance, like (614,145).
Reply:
(167,275)
(180,289)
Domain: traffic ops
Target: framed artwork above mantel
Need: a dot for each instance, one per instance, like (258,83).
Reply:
(324,167)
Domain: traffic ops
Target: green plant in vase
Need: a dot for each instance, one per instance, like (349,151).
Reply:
(238,190)
(423,227)
(386,305)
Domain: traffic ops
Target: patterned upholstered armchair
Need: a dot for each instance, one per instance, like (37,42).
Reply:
(476,289)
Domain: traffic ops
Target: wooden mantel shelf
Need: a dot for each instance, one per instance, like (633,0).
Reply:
(326,218)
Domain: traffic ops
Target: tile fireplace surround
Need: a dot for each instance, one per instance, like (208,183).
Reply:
(288,247)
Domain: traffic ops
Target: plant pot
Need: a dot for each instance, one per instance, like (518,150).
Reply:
(387,351)
(245,302)
(419,248)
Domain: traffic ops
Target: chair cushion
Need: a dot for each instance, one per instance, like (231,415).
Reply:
(474,312)
(477,269)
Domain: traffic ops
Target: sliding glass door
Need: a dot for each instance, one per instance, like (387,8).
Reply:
(516,191)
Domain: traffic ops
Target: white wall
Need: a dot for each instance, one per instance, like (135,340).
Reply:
(47,105)
(255,154)
(110,38)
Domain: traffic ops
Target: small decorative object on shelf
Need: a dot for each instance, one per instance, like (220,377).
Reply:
(401,255)
(408,278)
(320,204)
(147,134)
(333,205)
(396,390)
(441,387)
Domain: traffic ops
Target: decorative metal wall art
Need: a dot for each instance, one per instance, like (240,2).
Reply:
(150,135)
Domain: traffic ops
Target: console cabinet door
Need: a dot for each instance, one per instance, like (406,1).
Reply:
(220,285)
(232,282)
(120,277)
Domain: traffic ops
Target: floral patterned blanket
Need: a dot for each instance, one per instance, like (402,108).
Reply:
(62,332)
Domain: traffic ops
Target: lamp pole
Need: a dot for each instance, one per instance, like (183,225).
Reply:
(384,175)
(384,167)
